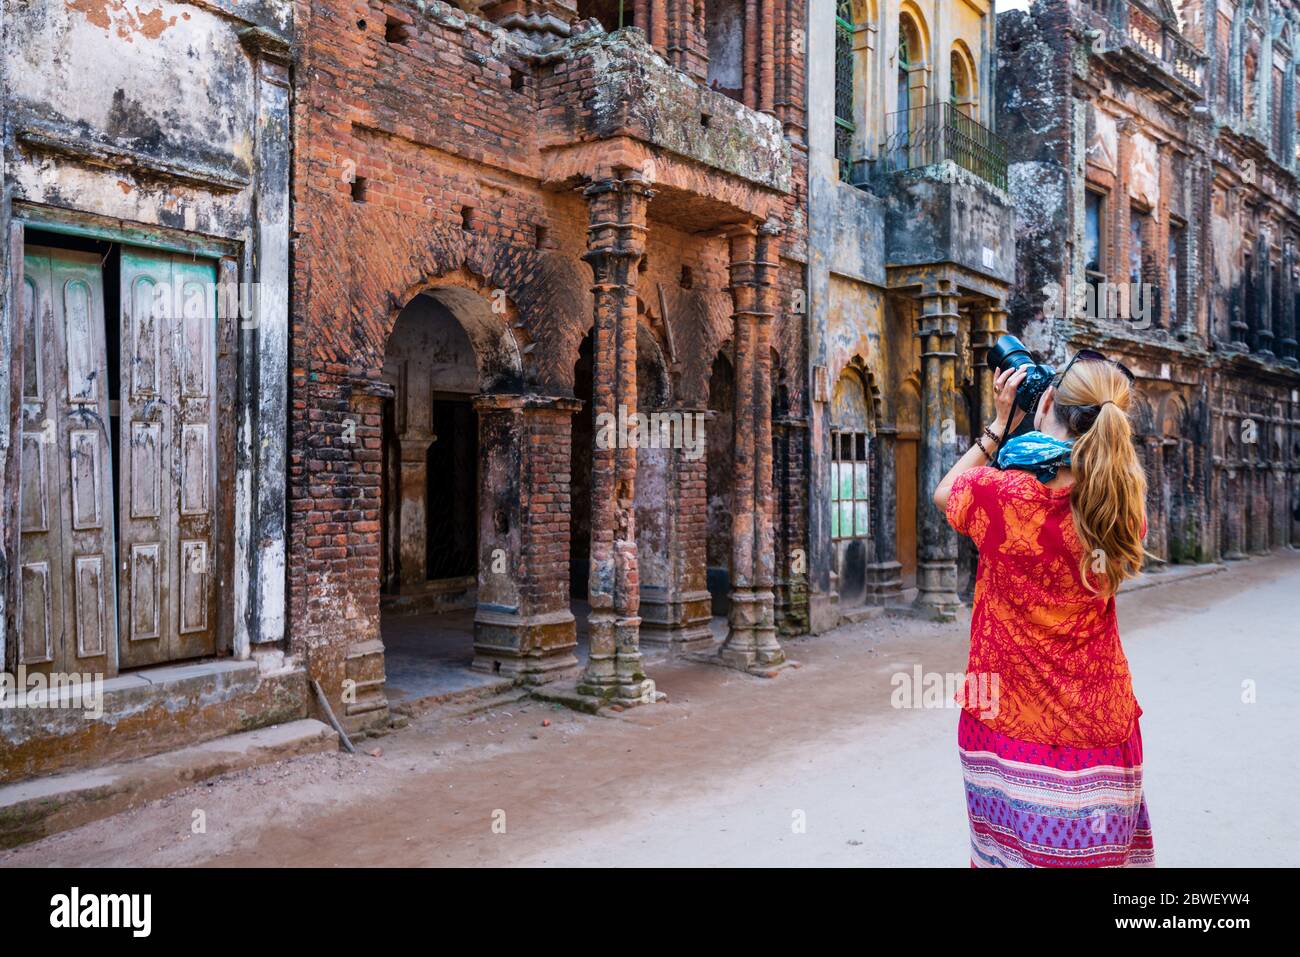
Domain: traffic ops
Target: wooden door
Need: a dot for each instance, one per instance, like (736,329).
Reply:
(66,613)
(167,551)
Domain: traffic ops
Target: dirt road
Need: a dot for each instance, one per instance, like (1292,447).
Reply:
(813,768)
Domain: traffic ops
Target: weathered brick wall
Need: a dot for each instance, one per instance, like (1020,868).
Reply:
(418,164)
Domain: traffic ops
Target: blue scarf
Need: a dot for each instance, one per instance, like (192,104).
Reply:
(1035,452)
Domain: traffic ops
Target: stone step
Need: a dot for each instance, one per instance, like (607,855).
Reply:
(37,808)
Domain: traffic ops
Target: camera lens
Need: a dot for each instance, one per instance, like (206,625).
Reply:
(1009,351)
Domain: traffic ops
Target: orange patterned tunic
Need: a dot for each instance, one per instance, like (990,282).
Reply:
(1062,678)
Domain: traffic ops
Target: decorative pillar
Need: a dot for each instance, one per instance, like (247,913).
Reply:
(790,487)
(1120,208)
(936,573)
(990,324)
(1263,318)
(616,230)
(1240,323)
(1287,334)
(413,521)
(1163,226)
(751,643)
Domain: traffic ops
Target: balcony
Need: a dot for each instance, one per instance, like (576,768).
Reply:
(1141,30)
(939,133)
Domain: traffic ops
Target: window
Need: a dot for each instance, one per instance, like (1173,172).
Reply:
(725,23)
(844,126)
(961,84)
(1136,229)
(1094,217)
(1176,238)
(850,485)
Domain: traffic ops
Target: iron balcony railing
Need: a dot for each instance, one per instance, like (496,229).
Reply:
(1145,27)
(937,133)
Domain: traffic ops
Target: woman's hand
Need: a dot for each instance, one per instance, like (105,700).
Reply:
(1005,385)
(1004,400)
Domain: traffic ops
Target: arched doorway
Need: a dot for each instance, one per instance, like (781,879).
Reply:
(446,348)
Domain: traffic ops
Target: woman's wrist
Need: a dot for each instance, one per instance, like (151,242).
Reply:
(997,431)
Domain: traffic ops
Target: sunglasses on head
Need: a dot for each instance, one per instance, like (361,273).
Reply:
(1092,355)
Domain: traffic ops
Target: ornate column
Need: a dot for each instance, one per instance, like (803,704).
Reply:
(1239,323)
(791,489)
(616,230)
(990,324)
(1263,318)
(936,571)
(1287,334)
(751,643)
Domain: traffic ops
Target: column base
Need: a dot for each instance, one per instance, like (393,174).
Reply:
(751,643)
(885,583)
(679,622)
(617,677)
(534,649)
(936,596)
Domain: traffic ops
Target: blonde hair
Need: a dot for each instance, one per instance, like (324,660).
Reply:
(1108,499)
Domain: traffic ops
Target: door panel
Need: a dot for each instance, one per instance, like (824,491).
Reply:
(66,592)
(167,485)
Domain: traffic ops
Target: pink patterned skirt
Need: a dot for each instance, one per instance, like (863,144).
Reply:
(1035,805)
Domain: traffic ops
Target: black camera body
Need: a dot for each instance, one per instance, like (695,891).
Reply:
(1010,352)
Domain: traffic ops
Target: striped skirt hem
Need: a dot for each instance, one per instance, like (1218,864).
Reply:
(1033,805)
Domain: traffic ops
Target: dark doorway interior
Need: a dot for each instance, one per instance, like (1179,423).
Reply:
(452,513)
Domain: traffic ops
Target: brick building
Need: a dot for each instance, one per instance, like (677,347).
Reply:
(510,223)
(1155,143)
(911,262)
(482,246)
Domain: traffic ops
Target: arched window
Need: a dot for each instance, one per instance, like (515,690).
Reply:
(845,127)
(963,91)
(913,65)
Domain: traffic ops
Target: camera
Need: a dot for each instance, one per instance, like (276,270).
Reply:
(1010,352)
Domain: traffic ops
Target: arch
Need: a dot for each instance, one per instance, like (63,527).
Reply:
(485,317)
(856,383)
(912,59)
(653,384)
(1174,417)
(963,81)
(1142,417)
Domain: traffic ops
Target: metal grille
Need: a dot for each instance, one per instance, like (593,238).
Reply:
(936,133)
(844,126)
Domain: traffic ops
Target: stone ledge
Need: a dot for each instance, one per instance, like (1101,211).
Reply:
(146,712)
(31,810)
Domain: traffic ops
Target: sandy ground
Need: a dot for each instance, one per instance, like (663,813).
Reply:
(813,768)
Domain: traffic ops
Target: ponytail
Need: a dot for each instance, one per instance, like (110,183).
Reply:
(1108,499)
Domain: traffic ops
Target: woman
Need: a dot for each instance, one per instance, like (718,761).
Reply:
(1053,769)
